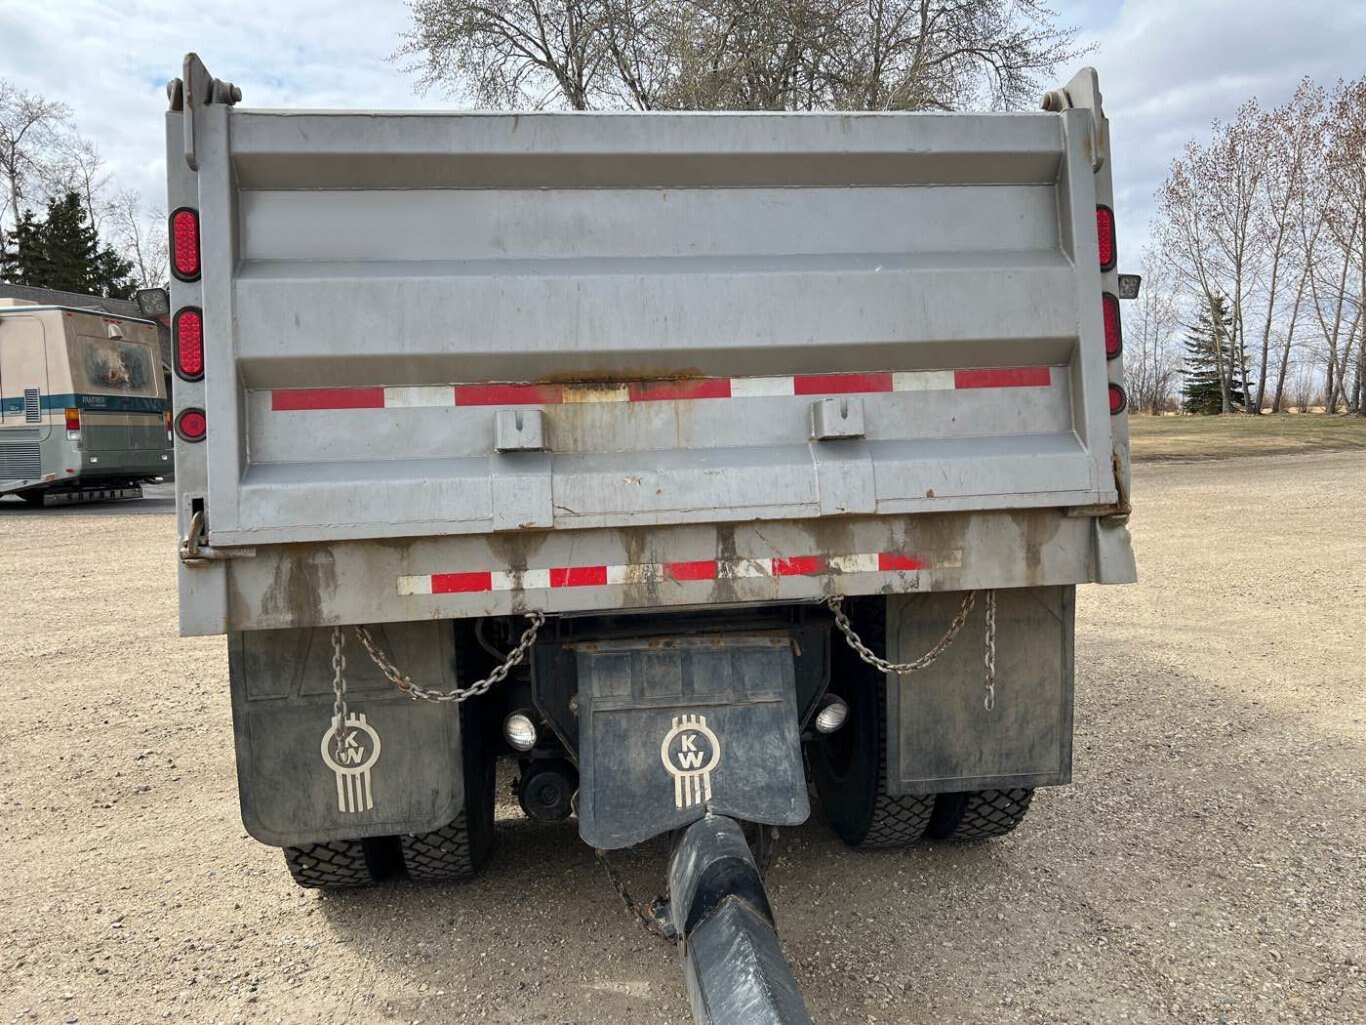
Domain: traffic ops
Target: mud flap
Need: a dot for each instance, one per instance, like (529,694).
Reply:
(672,728)
(401,771)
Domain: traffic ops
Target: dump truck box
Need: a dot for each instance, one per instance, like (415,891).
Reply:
(460,364)
(684,460)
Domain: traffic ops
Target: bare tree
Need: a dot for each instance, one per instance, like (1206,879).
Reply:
(78,167)
(739,54)
(140,236)
(1290,137)
(29,129)
(1152,337)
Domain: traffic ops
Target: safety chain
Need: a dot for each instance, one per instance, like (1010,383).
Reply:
(652,917)
(405,684)
(989,659)
(836,605)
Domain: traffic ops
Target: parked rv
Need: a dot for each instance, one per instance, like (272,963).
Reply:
(84,413)
(666,456)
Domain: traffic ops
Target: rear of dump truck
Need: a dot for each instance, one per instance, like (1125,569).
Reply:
(676,458)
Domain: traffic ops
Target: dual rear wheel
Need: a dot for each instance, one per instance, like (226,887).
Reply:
(849,767)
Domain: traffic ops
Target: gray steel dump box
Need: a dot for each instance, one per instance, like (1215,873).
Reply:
(462,364)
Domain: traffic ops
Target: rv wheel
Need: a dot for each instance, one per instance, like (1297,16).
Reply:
(849,766)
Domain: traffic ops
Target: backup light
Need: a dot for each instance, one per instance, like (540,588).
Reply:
(520,731)
(833,715)
(1114,337)
(1105,231)
(185,244)
(188,331)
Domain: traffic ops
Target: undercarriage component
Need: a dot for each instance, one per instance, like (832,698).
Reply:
(546,790)
(732,960)
(848,766)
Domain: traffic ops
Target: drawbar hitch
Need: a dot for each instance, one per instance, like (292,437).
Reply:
(734,966)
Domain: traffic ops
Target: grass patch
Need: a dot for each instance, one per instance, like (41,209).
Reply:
(1180,438)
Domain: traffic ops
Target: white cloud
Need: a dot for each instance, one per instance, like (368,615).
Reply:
(1167,67)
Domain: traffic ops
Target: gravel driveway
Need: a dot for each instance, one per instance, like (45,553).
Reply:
(1208,864)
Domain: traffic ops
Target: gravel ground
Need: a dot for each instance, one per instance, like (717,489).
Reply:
(1206,865)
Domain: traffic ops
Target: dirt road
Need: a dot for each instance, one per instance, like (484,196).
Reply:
(1208,864)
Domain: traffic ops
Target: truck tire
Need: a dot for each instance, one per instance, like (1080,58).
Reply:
(457,851)
(978,814)
(849,767)
(334,865)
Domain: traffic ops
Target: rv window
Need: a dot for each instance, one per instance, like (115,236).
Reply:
(115,366)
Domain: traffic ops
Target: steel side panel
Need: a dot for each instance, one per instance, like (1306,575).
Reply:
(946,740)
(358,582)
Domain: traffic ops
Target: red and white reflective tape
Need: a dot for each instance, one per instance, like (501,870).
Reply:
(674,572)
(293,399)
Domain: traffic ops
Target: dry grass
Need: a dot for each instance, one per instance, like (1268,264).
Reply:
(1183,438)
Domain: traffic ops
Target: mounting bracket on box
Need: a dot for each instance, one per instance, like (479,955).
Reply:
(193,89)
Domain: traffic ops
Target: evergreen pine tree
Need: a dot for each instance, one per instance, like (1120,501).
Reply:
(1201,393)
(63,251)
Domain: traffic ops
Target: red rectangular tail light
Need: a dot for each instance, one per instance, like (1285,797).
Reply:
(188,331)
(185,244)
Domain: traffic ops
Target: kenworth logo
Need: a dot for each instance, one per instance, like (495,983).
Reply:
(690,752)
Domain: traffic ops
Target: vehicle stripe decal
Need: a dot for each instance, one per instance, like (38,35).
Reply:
(676,572)
(687,389)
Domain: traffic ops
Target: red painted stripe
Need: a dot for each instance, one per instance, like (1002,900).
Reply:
(508,394)
(840,384)
(459,583)
(703,569)
(327,398)
(660,391)
(1004,377)
(578,576)
(800,566)
(889,561)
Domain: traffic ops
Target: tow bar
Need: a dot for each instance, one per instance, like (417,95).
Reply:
(734,966)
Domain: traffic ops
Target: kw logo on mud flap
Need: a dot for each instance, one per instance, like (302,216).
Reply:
(351,760)
(690,752)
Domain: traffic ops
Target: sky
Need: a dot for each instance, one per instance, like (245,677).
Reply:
(1167,68)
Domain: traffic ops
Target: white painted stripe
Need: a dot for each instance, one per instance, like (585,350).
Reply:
(745,568)
(416,396)
(415,585)
(923,380)
(595,393)
(760,387)
(854,563)
(644,573)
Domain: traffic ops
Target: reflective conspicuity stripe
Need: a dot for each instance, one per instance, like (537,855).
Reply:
(675,572)
(688,389)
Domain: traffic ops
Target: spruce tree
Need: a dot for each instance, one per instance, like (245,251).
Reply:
(63,251)
(1202,393)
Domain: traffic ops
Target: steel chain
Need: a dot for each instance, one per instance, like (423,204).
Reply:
(649,917)
(474,690)
(405,684)
(836,605)
(989,658)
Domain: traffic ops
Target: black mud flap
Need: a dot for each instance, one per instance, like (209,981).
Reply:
(672,728)
(400,771)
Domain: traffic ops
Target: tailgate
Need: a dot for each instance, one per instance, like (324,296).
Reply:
(459,324)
